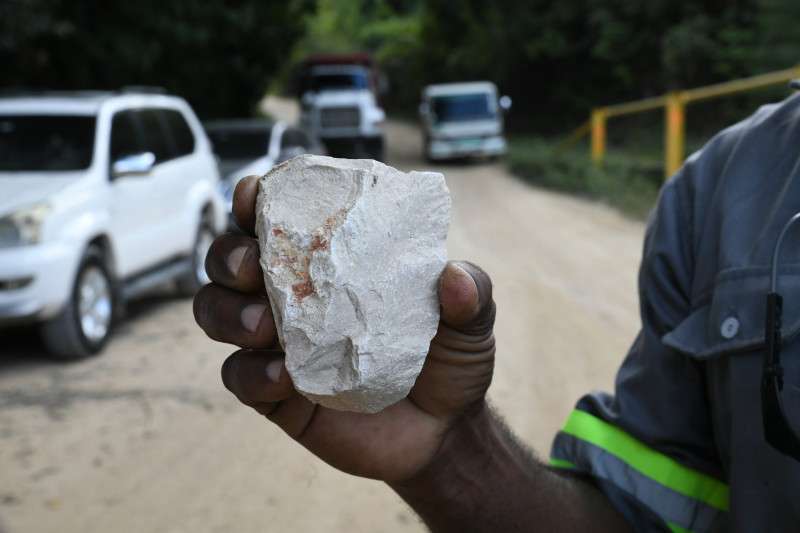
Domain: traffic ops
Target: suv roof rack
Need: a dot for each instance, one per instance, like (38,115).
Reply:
(12,92)
(147,89)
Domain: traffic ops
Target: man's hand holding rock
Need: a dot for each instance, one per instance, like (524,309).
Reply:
(394,444)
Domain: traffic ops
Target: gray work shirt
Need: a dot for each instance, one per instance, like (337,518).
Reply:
(689,389)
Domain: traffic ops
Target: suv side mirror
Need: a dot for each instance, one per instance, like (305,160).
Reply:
(505,103)
(133,165)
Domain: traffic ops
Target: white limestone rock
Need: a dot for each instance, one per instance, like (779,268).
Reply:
(352,252)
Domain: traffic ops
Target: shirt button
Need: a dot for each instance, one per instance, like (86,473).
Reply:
(729,328)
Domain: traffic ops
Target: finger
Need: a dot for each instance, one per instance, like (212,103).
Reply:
(465,291)
(258,379)
(245,320)
(244,204)
(458,369)
(232,261)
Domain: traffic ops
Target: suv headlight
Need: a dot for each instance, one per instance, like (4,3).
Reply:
(24,226)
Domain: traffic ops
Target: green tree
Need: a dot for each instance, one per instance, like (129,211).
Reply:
(221,56)
(777,41)
(389,29)
(558,59)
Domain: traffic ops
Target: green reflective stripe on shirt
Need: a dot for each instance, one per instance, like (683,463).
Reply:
(676,529)
(560,463)
(656,466)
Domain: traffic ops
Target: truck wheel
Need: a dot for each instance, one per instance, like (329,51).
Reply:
(196,276)
(85,324)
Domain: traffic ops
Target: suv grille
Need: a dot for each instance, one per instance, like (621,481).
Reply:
(339,117)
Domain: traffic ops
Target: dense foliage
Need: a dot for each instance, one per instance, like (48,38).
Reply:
(218,54)
(555,59)
(558,59)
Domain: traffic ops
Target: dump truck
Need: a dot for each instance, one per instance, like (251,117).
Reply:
(339,102)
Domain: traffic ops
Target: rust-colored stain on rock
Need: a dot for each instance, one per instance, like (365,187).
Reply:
(318,243)
(298,258)
(303,289)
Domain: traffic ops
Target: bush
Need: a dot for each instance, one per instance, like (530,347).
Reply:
(629,185)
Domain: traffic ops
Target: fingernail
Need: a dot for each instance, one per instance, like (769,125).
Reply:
(251,316)
(235,259)
(229,370)
(274,370)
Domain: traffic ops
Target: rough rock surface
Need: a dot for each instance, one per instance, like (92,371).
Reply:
(352,251)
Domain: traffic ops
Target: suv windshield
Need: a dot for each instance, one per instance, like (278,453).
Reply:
(240,143)
(46,143)
(462,107)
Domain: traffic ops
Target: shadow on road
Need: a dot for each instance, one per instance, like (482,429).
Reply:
(21,347)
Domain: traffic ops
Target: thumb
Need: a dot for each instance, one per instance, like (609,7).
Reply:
(465,292)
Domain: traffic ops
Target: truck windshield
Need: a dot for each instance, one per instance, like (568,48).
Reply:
(462,107)
(343,82)
(46,142)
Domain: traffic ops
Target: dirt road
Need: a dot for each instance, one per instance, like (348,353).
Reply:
(144,438)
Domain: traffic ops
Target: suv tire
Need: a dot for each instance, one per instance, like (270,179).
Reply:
(196,276)
(85,324)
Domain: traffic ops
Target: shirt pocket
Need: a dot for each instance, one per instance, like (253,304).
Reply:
(726,333)
(732,318)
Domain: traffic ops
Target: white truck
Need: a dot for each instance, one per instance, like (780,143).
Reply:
(463,120)
(339,102)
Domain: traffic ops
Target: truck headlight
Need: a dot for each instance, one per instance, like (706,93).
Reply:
(376,117)
(24,226)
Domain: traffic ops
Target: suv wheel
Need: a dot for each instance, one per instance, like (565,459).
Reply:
(196,276)
(85,324)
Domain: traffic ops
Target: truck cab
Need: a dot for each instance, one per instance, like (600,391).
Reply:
(339,102)
(463,120)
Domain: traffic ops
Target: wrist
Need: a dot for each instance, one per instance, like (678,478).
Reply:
(482,479)
(475,470)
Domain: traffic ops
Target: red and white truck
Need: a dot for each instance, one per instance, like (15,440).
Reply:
(339,102)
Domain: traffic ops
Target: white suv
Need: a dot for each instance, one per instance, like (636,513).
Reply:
(103,196)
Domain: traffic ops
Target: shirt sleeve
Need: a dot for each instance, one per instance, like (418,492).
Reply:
(650,446)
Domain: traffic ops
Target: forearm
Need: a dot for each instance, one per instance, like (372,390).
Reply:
(482,480)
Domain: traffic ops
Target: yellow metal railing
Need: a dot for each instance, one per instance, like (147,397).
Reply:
(674,104)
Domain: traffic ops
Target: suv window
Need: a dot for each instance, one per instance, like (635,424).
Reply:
(156,136)
(181,133)
(46,142)
(125,138)
(161,131)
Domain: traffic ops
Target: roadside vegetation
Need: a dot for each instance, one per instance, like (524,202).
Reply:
(623,181)
(633,168)
(556,60)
